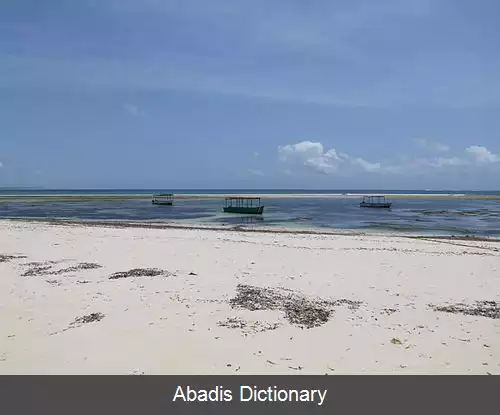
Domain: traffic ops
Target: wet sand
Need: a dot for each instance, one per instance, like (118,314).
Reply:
(143,300)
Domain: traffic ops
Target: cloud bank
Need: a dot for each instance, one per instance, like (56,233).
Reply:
(311,156)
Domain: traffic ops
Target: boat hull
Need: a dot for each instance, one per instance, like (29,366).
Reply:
(246,210)
(156,202)
(376,205)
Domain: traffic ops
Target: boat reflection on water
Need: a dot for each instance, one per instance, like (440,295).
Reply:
(241,220)
(251,219)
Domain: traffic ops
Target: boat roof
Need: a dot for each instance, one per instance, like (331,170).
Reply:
(163,194)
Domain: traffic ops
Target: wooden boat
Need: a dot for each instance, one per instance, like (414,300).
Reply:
(163,199)
(247,205)
(375,202)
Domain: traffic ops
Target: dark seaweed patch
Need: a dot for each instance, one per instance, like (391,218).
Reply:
(79,267)
(90,318)
(140,272)
(6,258)
(299,310)
(37,270)
(46,268)
(490,309)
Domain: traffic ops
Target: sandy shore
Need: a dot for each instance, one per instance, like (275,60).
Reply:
(227,302)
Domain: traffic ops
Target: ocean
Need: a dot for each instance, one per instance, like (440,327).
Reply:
(42,192)
(418,215)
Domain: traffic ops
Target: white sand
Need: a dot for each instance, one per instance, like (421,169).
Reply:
(169,325)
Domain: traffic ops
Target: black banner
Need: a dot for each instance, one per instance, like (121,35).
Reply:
(153,395)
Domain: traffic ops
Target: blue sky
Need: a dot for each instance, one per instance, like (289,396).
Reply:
(253,94)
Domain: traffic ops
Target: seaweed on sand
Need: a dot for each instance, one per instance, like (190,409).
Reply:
(80,266)
(308,313)
(46,268)
(90,318)
(299,310)
(247,326)
(256,298)
(140,272)
(6,258)
(37,269)
(490,309)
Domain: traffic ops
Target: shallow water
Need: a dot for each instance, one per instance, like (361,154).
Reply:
(423,216)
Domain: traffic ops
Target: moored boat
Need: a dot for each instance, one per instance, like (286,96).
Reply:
(163,199)
(375,202)
(245,205)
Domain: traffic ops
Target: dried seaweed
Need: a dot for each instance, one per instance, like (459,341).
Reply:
(46,268)
(90,318)
(7,258)
(299,310)
(140,272)
(79,267)
(490,309)
(247,326)
(308,313)
(37,270)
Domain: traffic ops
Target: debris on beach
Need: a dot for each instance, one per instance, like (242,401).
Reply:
(351,304)
(396,341)
(490,309)
(47,268)
(140,272)
(7,258)
(54,282)
(306,313)
(37,269)
(247,327)
(388,311)
(90,318)
(79,267)
(299,310)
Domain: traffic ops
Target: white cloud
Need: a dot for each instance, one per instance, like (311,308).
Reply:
(255,172)
(439,162)
(256,154)
(312,156)
(1,164)
(432,146)
(131,109)
(482,155)
(365,165)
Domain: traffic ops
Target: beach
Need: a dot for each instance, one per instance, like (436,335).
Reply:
(80,299)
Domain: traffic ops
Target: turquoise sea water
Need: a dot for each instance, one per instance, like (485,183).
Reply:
(422,215)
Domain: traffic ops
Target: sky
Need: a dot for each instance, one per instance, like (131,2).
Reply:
(298,94)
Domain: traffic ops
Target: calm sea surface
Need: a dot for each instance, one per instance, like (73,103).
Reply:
(423,216)
(15,191)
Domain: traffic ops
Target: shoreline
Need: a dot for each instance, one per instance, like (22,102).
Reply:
(111,300)
(118,223)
